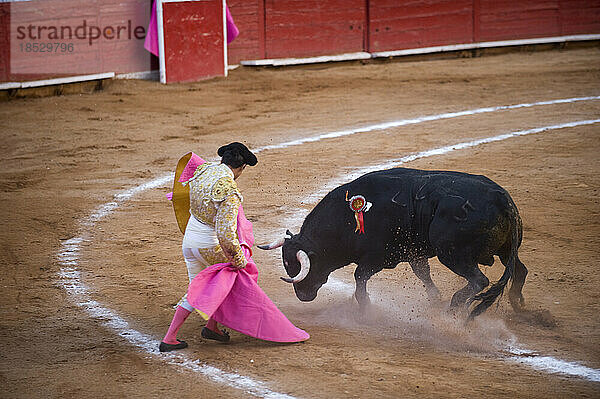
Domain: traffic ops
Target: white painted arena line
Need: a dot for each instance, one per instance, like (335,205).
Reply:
(521,355)
(553,365)
(70,279)
(394,163)
(517,354)
(414,121)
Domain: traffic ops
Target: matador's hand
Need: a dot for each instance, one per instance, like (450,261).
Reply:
(238,267)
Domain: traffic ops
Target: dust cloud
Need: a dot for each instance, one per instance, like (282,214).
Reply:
(402,311)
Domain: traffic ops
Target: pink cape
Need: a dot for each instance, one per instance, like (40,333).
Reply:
(151,41)
(232,297)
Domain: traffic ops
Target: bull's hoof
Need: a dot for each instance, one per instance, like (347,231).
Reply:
(460,312)
(517,302)
(363,301)
(434,296)
(458,304)
(439,305)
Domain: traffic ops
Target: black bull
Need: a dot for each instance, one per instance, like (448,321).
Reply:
(462,219)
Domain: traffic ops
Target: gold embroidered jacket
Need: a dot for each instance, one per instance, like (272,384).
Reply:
(214,201)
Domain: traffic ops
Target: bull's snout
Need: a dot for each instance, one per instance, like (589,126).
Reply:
(305,295)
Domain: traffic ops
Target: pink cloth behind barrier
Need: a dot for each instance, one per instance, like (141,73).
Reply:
(151,41)
(232,297)
(232,29)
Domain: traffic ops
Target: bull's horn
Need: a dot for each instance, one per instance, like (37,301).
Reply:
(304,268)
(273,245)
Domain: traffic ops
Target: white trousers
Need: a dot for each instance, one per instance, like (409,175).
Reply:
(197,235)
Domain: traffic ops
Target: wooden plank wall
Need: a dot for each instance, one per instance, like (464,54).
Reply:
(249,17)
(117,50)
(406,24)
(4,42)
(192,54)
(305,28)
(579,16)
(402,24)
(509,19)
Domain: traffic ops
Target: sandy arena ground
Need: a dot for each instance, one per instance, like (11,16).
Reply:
(64,157)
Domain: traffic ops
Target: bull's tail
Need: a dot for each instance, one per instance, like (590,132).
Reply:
(488,297)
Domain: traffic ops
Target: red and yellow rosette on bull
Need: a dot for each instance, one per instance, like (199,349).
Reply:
(358,204)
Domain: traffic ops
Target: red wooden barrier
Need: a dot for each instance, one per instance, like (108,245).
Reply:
(509,19)
(249,17)
(194,40)
(579,16)
(404,24)
(66,38)
(297,28)
(303,28)
(4,42)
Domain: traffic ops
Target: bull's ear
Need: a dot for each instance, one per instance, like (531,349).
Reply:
(289,233)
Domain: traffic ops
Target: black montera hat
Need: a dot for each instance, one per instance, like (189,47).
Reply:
(249,157)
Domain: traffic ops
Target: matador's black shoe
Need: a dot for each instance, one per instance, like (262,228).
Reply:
(164,347)
(210,334)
